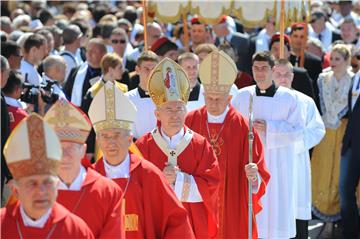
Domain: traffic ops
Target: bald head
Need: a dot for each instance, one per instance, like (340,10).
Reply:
(55,68)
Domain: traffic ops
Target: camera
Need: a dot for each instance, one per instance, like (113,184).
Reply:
(31,92)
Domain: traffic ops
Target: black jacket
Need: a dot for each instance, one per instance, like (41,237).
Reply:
(352,133)
(302,82)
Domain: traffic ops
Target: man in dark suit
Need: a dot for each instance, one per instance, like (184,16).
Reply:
(83,77)
(5,123)
(301,81)
(241,43)
(350,165)
(312,63)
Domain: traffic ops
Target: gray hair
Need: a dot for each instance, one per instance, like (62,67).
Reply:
(53,61)
(316,42)
(21,20)
(4,64)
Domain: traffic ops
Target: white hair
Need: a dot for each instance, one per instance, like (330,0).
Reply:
(21,20)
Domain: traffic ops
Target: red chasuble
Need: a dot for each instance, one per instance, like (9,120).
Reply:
(151,207)
(98,203)
(61,224)
(199,160)
(230,143)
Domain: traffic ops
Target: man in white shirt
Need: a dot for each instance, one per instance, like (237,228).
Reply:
(34,51)
(190,63)
(314,131)
(145,119)
(280,129)
(72,39)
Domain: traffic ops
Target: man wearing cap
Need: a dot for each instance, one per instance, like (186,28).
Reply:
(82,190)
(72,38)
(240,42)
(319,29)
(217,121)
(151,207)
(313,133)
(281,131)
(34,167)
(164,47)
(198,32)
(302,81)
(185,157)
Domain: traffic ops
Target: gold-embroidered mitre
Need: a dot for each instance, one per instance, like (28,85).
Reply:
(217,72)
(111,109)
(168,82)
(32,148)
(69,122)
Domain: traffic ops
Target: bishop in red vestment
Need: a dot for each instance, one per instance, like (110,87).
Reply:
(227,131)
(82,190)
(185,157)
(151,207)
(60,224)
(34,167)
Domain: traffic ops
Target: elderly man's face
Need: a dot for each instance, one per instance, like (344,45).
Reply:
(113,142)
(216,103)
(172,116)
(36,193)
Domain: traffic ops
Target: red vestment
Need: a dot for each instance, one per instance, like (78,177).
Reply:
(16,114)
(61,224)
(98,203)
(198,160)
(151,207)
(232,149)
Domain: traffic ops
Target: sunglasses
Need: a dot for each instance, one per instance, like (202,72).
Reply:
(357,57)
(122,41)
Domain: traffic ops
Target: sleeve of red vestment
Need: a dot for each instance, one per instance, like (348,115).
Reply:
(163,209)
(207,177)
(114,226)
(259,159)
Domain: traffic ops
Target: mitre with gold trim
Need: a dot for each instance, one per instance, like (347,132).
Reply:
(168,82)
(32,148)
(111,109)
(69,122)
(217,72)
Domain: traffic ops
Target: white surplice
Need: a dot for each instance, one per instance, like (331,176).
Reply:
(284,133)
(145,117)
(313,133)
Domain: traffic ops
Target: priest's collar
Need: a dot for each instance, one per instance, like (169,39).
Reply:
(195,92)
(219,118)
(142,93)
(269,92)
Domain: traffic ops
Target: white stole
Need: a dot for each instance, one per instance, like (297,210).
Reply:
(76,94)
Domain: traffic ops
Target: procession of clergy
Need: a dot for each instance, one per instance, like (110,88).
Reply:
(186,176)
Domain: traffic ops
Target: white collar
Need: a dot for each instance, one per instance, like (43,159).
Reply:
(121,170)
(174,140)
(219,118)
(77,183)
(39,223)
(13,102)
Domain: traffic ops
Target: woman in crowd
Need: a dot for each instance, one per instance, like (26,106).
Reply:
(334,86)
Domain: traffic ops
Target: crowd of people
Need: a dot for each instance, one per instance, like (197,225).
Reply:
(102,137)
